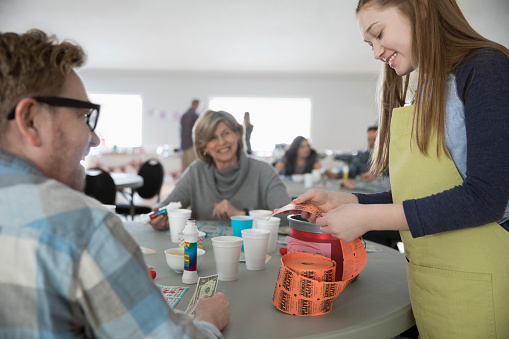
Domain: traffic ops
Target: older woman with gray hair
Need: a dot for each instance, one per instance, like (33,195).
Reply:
(224,181)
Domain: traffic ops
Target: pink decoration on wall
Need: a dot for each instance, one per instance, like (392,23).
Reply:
(135,164)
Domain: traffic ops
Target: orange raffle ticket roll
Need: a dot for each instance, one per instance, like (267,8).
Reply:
(305,284)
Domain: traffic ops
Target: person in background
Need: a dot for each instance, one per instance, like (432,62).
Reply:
(224,182)
(186,134)
(359,167)
(68,267)
(249,129)
(300,158)
(448,157)
(361,163)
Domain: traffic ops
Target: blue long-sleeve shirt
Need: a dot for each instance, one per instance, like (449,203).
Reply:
(477,137)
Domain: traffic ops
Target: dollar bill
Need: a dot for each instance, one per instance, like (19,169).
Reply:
(204,286)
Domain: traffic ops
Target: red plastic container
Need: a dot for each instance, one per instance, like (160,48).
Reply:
(307,237)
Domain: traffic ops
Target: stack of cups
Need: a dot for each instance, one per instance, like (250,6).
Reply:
(227,256)
(177,219)
(259,214)
(271,224)
(255,247)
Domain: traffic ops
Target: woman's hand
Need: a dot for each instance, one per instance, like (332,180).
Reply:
(345,222)
(349,221)
(160,222)
(324,200)
(225,210)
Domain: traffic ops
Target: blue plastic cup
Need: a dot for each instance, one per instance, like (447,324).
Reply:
(239,223)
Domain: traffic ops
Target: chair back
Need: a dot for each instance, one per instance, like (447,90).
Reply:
(100,185)
(153,174)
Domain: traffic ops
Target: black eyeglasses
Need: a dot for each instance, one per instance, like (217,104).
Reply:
(92,115)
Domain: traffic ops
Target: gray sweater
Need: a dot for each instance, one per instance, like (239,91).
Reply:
(251,184)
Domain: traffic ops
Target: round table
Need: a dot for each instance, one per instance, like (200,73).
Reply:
(130,181)
(126,180)
(376,305)
(296,188)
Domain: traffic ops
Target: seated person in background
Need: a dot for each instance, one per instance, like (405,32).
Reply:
(300,158)
(359,167)
(68,267)
(224,181)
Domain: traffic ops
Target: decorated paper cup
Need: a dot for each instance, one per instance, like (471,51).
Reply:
(201,239)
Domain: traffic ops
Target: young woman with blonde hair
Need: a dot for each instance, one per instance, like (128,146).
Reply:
(448,153)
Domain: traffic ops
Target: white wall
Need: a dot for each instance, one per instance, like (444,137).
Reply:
(342,106)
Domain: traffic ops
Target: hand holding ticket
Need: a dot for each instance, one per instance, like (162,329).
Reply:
(305,207)
(321,202)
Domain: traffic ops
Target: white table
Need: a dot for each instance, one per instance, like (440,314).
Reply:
(296,188)
(376,305)
(129,181)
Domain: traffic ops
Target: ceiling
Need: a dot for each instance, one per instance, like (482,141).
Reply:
(253,36)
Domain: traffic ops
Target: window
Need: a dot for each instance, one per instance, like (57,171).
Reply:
(120,119)
(275,120)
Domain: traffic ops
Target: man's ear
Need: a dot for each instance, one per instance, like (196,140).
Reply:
(27,117)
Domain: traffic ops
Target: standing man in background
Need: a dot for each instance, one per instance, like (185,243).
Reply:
(186,134)
(249,129)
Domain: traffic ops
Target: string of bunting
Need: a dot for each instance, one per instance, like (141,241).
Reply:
(134,166)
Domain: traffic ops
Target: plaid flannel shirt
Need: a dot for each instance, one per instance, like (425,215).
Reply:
(68,268)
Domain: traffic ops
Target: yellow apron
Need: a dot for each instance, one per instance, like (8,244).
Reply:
(458,280)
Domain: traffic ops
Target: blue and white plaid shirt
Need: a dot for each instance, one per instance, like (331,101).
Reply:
(68,268)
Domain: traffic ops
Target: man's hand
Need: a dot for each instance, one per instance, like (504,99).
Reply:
(215,310)
(367,177)
(347,183)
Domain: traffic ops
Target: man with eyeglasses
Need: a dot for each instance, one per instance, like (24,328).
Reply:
(68,268)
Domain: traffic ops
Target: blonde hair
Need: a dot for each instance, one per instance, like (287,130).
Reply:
(33,64)
(204,129)
(441,39)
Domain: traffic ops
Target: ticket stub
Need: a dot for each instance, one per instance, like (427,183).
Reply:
(306,207)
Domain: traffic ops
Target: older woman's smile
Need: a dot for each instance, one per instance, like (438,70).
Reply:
(223,146)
